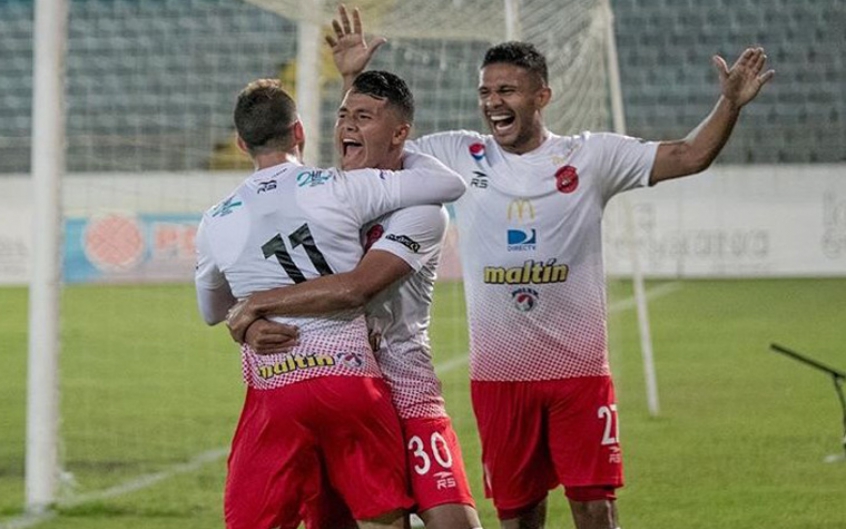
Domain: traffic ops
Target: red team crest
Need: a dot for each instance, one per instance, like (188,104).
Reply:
(373,234)
(566,179)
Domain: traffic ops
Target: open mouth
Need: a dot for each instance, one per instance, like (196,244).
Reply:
(350,147)
(502,123)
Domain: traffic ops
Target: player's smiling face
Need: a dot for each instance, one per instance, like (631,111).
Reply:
(511,99)
(368,133)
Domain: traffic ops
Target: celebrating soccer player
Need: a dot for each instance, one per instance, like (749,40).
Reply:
(283,225)
(397,277)
(536,297)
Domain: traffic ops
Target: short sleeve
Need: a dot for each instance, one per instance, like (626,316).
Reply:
(447,147)
(414,234)
(625,162)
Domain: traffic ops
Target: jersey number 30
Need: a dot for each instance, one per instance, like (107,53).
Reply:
(300,237)
(439,450)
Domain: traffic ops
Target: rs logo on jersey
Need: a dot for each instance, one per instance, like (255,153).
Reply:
(267,185)
(479,180)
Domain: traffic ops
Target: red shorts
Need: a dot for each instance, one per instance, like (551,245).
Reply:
(538,435)
(435,465)
(292,439)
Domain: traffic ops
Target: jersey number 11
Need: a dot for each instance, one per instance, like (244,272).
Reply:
(302,236)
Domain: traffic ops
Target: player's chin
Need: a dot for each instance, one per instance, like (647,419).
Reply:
(354,160)
(506,139)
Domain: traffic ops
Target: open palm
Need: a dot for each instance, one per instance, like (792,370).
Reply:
(744,80)
(350,51)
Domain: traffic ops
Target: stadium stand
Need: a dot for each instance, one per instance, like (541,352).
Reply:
(124,55)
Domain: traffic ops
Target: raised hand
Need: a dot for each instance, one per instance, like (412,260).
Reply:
(744,80)
(349,49)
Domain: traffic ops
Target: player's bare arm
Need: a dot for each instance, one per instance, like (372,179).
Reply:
(738,86)
(350,51)
(377,270)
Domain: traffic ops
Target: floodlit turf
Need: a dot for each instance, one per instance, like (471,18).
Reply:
(147,388)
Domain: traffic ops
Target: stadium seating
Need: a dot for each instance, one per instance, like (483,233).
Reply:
(124,55)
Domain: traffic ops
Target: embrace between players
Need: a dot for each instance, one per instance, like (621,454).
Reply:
(326,277)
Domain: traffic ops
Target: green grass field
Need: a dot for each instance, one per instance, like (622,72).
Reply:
(150,397)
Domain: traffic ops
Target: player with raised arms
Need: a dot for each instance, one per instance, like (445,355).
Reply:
(396,280)
(531,251)
(283,225)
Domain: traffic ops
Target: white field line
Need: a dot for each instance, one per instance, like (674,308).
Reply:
(143,482)
(31,520)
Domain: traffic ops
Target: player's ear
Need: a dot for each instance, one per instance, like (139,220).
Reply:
(242,145)
(298,136)
(298,132)
(401,134)
(543,97)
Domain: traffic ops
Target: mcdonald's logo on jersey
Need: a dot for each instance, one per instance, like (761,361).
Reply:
(521,210)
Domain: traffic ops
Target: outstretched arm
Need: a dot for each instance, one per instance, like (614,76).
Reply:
(349,49)
(738,85)
(377,270)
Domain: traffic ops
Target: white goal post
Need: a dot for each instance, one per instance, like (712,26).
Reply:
(48,167)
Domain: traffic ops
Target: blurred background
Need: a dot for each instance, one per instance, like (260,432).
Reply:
(751,252)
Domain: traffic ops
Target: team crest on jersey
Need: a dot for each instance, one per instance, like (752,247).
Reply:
(373,234)
(567,179)
(524,298)
(350,359)
(477,151)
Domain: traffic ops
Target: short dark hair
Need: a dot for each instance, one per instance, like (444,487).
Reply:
(264,113)
(385,85)
(522,54)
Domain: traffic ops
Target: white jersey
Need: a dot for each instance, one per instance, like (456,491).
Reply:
(289,223)
(400,313)
(531,248)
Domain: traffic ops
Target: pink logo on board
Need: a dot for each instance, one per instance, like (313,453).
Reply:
(113,243)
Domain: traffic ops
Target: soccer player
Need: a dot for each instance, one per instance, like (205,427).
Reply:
(396,276)
(530,246)
(283,225)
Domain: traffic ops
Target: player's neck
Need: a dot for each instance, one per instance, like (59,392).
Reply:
(538,137)
(270,159)
(392,162)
